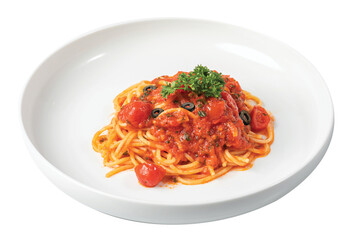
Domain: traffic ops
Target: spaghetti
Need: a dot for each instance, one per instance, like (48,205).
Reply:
(186,136)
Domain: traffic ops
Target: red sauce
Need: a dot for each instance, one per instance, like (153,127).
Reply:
(218,125)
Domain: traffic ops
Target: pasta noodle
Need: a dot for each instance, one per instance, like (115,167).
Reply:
(123,146)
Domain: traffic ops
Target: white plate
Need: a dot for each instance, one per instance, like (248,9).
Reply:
(70,95)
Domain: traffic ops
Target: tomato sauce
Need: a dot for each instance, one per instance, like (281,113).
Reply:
(218,125)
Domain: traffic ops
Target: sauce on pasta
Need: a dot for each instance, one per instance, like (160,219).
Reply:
(175,127)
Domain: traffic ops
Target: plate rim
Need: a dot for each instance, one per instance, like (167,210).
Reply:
(323,143)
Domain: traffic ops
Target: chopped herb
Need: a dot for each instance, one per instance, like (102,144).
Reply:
(200,105)
(200,81)
(167,141)
(126,153)
(202,113)
(187,137)
(216,144)
(169,115)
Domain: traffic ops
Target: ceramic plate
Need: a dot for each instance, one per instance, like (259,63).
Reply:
(69,97)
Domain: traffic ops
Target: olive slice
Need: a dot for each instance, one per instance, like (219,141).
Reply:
(244,115)
(188,106)
(148,89)
(155,112)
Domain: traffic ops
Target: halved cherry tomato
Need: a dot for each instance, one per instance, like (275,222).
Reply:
(260,118)
(149,174)
(215,109)
(135,113)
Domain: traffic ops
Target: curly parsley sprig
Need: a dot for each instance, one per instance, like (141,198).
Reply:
(200,81)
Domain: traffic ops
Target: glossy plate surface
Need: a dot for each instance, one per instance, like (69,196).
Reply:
(69,97)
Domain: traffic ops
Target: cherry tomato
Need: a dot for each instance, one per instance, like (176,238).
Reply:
(233,85)
(260,118)
(149,174)
(215,109)
(135,113)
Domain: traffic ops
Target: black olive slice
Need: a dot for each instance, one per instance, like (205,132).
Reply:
(244,115)
(155,112)
(188,106)
(148,89)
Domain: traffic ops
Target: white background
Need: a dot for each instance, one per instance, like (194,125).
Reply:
(32,207)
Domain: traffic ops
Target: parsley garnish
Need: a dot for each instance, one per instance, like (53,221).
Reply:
(200,81)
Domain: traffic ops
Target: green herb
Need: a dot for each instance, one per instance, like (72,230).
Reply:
(202,100)
(125,153)
(202,113)
(200,81)
(187,137)
(200,105)
(174,180)
(167,141)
